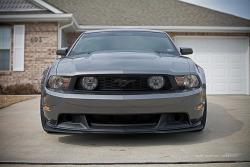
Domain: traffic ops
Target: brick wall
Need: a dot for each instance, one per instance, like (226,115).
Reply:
(71,38)
(40,52)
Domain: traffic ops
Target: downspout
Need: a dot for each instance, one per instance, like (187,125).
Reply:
(59,42)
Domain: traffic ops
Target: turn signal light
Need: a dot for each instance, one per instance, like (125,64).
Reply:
(65,82)
(46,107)
(179,81)
(199,107)
(65,85)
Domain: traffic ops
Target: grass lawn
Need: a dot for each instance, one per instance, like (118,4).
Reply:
(8,100)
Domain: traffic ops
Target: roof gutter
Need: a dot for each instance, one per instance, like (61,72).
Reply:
(59,41)
(73,24)
(36,17)
(208,29)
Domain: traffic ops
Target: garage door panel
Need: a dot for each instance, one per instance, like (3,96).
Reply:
(235,58)
(202,57)
(224,60)
(236,73)
(219,73)
(200,45)
(218,58)
(218,45)
(220,87)
(237,45)
(236,87)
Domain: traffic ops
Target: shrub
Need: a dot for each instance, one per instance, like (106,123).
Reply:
(1,90)
(20,89)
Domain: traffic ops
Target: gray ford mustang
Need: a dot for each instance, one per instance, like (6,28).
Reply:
(123,81)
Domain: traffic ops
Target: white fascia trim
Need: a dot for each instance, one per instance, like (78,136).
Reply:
(174,28)
(48,6)
(36,17)
(76,25)
(21,10)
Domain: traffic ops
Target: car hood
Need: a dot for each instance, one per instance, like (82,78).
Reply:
(124,63)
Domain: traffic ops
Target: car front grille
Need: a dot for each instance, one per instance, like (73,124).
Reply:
(122,83)
(123,119)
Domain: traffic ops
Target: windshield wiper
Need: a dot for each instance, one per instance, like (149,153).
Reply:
(80,53)
(161,52)
(164,54)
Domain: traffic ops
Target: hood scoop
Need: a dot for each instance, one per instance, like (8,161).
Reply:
(123,55)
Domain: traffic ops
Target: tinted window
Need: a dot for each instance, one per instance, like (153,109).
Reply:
(5,45)
(124,41)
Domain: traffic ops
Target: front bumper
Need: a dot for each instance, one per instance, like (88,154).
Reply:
(163,104)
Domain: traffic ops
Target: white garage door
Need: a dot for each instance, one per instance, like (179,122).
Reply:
(224,59)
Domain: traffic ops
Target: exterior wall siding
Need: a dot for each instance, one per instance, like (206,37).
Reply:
(39,53)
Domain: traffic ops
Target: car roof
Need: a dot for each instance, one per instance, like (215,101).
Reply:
(124,29)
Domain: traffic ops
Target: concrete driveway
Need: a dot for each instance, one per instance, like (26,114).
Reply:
(225,139)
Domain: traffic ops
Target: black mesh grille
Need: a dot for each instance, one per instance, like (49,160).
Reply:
(122,83)
(122,119)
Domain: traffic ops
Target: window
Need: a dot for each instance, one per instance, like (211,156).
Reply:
(5,45)
(124,41)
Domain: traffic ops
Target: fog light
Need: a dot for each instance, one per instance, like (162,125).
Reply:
(89,83)
(156,82)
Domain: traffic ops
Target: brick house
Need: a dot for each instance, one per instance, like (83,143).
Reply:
(32,30)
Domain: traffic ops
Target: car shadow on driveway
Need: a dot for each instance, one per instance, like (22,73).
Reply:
(219,125)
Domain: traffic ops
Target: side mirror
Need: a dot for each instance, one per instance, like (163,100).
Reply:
(62,51)
(186,51)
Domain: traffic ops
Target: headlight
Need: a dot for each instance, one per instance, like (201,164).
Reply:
(89,83)
(58,82)
(188,81)
(156,82)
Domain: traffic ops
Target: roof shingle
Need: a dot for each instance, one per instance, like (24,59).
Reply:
(145,13)
(19,5)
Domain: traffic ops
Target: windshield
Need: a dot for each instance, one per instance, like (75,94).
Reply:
(124,41)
